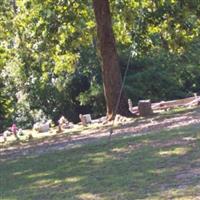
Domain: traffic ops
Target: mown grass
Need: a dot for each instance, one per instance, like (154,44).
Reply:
(162,165)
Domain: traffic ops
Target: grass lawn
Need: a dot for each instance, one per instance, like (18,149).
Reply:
(161,165)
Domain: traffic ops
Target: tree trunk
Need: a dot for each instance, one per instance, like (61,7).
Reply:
(112,80)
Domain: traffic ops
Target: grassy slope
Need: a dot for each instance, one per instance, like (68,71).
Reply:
(162,165)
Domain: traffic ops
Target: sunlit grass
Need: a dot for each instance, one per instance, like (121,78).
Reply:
(162,165)
(88,196)
(175,151)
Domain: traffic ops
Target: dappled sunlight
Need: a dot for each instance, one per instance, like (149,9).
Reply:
(89,196)
(19,173)
(188,173)
(120,150)
(96,158)
(160,171)
(182,192)
(74,179)
(39,175)
(47,183)
(174,152)
(128,168)
(99,100)
(131,147)
(77,136)
(184,123)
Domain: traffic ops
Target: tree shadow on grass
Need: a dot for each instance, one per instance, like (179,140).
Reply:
(129,168)
(91,133)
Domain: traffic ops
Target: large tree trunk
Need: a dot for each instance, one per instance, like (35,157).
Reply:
(111,74)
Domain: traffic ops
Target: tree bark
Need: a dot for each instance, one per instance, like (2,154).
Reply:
(112,80)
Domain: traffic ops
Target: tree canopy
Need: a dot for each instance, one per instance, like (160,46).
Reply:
(50,58)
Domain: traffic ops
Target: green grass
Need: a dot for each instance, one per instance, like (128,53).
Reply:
(162,165)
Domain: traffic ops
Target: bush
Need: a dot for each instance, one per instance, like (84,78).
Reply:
(161,75)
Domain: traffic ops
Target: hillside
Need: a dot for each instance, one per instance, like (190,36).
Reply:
(154,158)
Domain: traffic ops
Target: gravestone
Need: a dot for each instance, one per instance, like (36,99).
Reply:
(144,107)
(85,119)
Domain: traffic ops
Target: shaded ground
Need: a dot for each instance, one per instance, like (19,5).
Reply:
(134,127)
(160,165)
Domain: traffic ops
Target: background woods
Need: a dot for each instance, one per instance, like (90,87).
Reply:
(50,56)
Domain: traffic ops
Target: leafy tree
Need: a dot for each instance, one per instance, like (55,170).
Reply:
(48,55)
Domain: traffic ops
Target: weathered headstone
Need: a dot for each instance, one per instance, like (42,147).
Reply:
(63,123)
(144,107)
(88,118)
(41,127)
(85,119)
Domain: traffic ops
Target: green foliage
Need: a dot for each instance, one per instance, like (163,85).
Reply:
(22,115)
(163,76)
(48,53)
(152,24)
(94,97)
